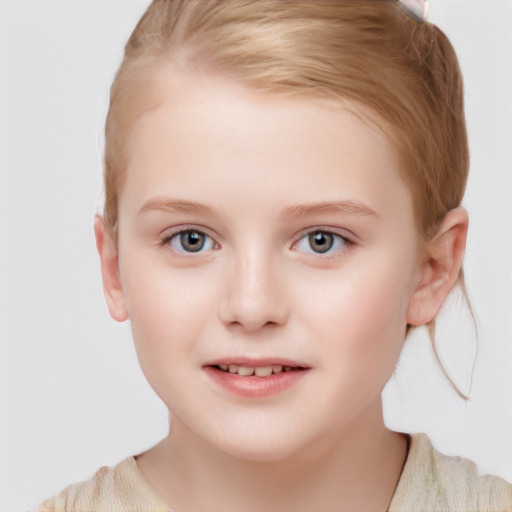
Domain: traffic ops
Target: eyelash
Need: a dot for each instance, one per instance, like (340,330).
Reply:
(340,242)
(168,239)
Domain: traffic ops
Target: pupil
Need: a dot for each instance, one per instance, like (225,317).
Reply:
(192,241)
(321,242)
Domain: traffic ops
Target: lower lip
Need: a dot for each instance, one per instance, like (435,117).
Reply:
(255,387)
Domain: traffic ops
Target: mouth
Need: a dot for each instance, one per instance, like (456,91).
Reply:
(256,379)
(258,371)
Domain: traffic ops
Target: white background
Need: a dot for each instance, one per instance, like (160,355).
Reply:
(71,395)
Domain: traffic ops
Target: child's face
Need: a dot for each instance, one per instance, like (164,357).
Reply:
(247,178)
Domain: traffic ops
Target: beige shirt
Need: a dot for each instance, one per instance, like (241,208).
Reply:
(429,482)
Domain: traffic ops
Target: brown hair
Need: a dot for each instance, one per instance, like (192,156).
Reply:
(367,51)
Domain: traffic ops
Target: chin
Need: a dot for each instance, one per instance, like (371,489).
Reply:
(271,444)
(261,452)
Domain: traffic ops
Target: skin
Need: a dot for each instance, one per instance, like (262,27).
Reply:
(253,165)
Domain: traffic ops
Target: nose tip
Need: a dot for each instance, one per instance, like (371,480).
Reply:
(252,325)
(252,317)
(253,300)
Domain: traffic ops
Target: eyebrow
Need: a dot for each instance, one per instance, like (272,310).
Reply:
(175,206)
(348,207)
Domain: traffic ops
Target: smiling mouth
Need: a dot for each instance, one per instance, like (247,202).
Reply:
(258,371)
(256,379)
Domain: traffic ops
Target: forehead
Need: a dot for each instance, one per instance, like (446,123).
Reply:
(208,134)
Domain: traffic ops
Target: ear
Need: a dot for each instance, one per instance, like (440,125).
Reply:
(112,287)
(440,268)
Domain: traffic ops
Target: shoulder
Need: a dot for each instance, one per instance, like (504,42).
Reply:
(120,488)
(433,482)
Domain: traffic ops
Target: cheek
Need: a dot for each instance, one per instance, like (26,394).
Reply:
(168,310)
(360,313)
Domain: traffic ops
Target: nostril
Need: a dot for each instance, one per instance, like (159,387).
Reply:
(253,300)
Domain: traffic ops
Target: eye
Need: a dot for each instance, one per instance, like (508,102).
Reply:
(321,242)
(190,241)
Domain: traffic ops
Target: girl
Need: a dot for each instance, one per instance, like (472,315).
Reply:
(283,185)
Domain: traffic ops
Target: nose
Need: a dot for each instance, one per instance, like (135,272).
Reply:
(254,295)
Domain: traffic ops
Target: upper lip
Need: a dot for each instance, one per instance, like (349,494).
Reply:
(257,363)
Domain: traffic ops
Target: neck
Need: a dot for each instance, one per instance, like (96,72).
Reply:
(357,470)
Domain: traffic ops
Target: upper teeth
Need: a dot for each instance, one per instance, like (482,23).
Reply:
(260,371)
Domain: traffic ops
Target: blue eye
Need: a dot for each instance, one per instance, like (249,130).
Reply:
(321,242)
(190,241)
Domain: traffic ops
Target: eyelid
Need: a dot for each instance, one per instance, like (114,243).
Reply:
(169,233)
(348,237)
(342,232)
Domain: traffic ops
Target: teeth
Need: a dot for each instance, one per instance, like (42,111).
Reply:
(260,371)
(245,371)
(263,371)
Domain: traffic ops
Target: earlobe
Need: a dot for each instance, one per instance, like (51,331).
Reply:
(112,286)
(440,268)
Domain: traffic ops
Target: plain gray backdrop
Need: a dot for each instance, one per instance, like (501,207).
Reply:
(71,395)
